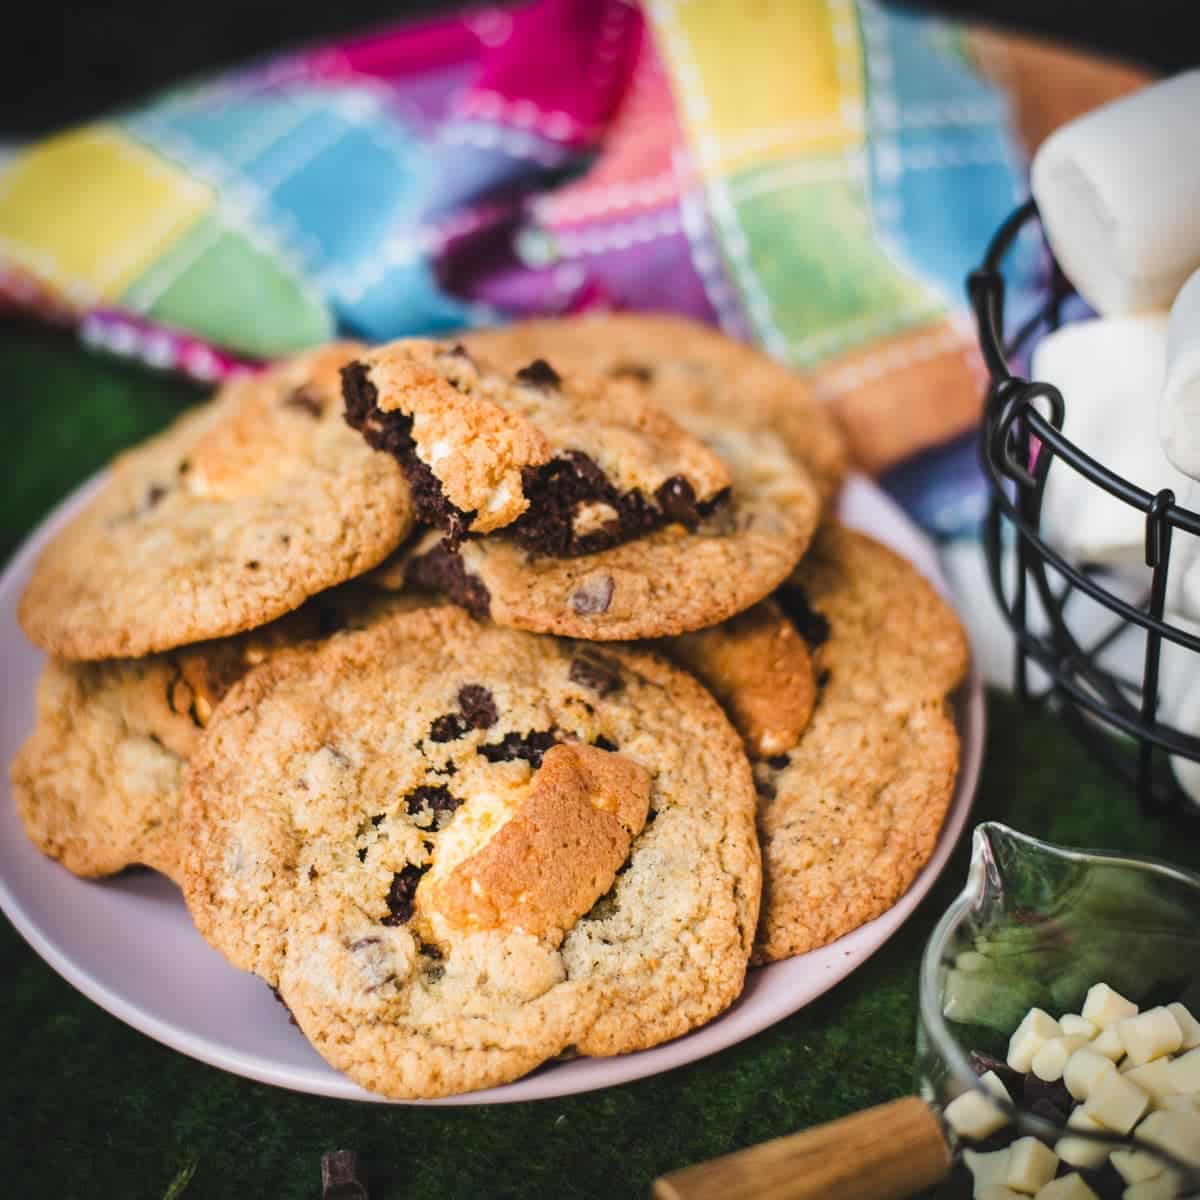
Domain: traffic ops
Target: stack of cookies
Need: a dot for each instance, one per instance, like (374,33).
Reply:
(494,699)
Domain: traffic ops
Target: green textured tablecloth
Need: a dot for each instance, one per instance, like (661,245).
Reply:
(91,1108)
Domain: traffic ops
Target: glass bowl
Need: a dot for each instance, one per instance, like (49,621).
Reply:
(1037,925)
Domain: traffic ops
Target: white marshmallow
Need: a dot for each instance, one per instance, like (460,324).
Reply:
(1118,192)
(1181,1102)
(1105,1007)
(1150,1035)
(1176,1132)
(974,1116)
(1083,1071)
(997,1191)
(1108,1043)
(1068,1187)
(1161,1187)
(1179,415)
(994,1084)
(1135,1165)
(1078,1152)
(1153,1078)
(1188,1025)
(1073,1023)
(1116,1103)
(1031,1165)
(1110,373)
(1051,1058)
(1183,1073)
(1037,1028)
(987,1169)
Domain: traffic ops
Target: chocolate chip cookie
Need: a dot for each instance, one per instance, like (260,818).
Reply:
(850,815)
(683,366)
(672,581)
(99,781)
(458,850)
(566,464)
(229,519)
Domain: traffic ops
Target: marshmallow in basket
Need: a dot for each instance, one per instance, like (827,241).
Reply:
(1181,391)
(1110,372)
(1119,195)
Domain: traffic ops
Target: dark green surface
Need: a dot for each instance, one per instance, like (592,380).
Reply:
(90,1108)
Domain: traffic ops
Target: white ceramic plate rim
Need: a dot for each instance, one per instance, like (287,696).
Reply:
(156,992)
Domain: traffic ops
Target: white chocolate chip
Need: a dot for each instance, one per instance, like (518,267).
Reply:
(1073,1023)
(1031,1165)
(1079,1152)
(1116,1103)
(1068,1187)
(1183,1073)
(1188,1025)
(1153,1078)
(1051,1057)
(1161,1187)
(1034,1031)
(1083,1069)
(973,1115)
(1104,1007)
(1135,1165)
(1108,1043)
(987,1169)
(1150,1035)
(1176,1132)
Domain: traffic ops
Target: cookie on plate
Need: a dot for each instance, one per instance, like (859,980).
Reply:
(671,581)
(230,518)
(564,464)
(99,781)
(459,850)
(849,816)
(683,366)
(758,665)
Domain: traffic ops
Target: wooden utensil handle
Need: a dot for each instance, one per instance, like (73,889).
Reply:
(884,1153)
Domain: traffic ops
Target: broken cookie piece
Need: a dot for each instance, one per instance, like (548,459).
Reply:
(565,466)
(759,668)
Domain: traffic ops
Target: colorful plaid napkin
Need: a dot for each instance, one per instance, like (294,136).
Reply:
(815,175)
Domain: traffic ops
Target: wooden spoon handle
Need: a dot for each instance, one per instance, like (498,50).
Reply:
(884,1153)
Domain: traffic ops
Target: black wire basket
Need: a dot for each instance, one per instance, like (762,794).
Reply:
(1113,712)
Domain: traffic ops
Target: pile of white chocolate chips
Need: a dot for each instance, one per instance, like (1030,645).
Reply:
(1133,1074)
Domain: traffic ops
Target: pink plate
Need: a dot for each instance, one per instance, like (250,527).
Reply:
(127,943)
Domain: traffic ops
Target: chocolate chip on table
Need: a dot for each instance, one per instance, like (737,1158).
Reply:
(529,746)
(342,1176)
(539,373)
(597,672)
(810,624)
(400,895)
(593,596)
